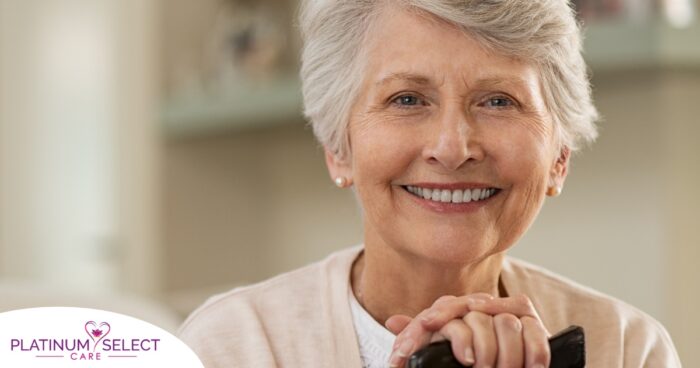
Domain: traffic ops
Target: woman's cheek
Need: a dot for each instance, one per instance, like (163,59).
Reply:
(388,146)
(521,162)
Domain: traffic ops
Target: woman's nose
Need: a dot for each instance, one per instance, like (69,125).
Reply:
(453,141)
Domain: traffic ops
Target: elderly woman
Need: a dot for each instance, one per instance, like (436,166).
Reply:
(452,120)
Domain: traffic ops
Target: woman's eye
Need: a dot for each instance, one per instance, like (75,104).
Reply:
(499,102)
(407,100)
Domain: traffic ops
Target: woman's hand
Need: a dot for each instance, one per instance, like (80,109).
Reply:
(483,330)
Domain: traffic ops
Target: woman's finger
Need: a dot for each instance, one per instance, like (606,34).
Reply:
(519,305)
(537,353)
(437,336)
(484,339)
(399,357)
(417,335)
(447,309)
(412,338)
(510,340)
(397,323)
(416,332)
(460,336)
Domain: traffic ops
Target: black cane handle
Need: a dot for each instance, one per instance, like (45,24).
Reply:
(568,349)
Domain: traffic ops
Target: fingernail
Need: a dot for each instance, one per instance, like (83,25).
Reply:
(394,360)
(538,366)
(469,356)
(397,342)
(476,301)
(517,326)
(430,316)
(405,348)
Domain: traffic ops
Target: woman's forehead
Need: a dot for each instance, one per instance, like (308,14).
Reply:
(406,47)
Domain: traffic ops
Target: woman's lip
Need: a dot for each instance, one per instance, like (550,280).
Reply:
(452,186)
(449,207)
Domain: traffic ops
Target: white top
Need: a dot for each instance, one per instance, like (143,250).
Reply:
(374,340)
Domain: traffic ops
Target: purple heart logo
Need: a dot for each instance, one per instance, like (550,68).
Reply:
(97,332)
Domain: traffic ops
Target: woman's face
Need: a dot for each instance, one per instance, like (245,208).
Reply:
(438,116)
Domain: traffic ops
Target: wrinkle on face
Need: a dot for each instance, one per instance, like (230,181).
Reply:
(453,79)
(439,91)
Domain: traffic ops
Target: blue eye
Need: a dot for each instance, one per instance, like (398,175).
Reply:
(406,100)
(499,102)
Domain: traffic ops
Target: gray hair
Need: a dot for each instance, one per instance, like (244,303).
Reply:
(542,32)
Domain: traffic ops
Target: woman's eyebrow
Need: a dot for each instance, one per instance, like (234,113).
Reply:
(510,81)
(516,82)
(404,76)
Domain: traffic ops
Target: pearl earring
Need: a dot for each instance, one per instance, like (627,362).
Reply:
(341,182)
(554,191)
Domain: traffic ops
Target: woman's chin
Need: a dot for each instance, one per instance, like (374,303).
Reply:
(453,253)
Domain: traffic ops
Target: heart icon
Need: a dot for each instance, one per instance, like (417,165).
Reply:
(97,332)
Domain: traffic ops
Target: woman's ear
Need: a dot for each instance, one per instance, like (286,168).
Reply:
(340,169)
(560,168)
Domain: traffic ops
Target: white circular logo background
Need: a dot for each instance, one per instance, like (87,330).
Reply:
(82,337)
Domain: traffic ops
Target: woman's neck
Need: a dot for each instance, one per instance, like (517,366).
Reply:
(390,283)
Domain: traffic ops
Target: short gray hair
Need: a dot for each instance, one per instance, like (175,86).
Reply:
(542,32)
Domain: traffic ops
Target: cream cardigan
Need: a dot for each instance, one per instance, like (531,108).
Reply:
(303,319)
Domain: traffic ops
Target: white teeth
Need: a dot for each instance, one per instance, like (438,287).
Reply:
(467,196)
(446,196)
(457,196)
(452,196)
(476,194)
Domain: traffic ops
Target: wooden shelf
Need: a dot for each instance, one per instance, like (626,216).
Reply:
(250,104)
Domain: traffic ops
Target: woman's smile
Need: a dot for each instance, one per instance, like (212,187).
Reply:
(451,198)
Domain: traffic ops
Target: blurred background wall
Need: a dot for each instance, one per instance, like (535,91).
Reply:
(153,153)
